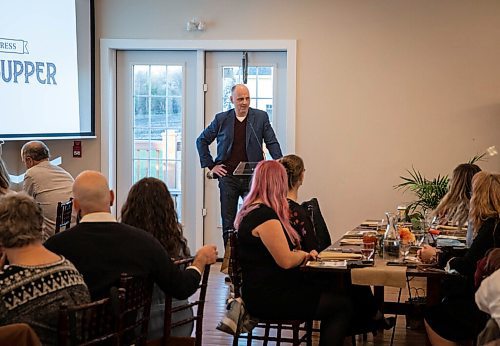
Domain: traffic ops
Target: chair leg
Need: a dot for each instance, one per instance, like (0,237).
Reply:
(249,338)
(278,334)
(309,328)
(396,319)
(295,332)
(266,334)
(353,340)
(235,340)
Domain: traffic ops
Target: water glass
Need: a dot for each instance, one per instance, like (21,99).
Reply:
(404,249)
(367,250)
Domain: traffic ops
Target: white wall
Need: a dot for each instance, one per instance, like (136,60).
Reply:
(381,85)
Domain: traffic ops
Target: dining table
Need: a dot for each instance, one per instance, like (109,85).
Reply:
(341,263)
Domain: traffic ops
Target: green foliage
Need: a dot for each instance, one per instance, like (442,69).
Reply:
(477,158)
(428,192)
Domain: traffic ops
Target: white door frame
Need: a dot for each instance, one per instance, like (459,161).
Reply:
(108,97)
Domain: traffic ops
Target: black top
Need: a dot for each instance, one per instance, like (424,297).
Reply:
(101,251)
(268,290)
(488,237)
(301,222)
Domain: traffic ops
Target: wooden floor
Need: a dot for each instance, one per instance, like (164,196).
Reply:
(215,306)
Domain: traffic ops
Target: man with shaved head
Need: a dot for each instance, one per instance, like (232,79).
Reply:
(101,248)
(45,182)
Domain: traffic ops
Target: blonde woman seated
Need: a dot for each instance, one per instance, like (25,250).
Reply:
(458,319)
(270,256)
(454,207)
(37,281)
(149,206)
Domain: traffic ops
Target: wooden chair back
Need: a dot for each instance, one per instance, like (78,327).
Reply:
(93,323)
(134,317)
(199,304)
(63,216)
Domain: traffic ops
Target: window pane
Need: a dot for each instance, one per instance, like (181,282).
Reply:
(141,80)
(141,169)
(141,111)
(265,89)
(158,80)
(265,70)
(158,112)
(174,79)
(141,134)
(266,105)
(174,112)
(252,86)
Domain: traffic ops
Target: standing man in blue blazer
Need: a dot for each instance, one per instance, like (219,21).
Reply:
(240,133)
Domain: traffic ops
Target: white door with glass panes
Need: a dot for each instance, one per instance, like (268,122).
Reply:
(266,82)
(155,97)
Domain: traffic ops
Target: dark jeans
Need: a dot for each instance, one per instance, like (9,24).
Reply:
(231,189)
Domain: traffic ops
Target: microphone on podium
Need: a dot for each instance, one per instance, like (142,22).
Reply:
(258,142)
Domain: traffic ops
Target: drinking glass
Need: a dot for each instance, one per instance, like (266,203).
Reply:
(404,249)
(419,237)
(367,250)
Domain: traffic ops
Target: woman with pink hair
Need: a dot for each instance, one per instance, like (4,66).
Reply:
(270,257)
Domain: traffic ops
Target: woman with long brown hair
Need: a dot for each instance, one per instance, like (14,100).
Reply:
(149,206)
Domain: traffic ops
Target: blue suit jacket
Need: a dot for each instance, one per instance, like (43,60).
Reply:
(222,128)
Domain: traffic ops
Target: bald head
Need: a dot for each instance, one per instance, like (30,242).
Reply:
(240,97)
(34,152)
(91,193)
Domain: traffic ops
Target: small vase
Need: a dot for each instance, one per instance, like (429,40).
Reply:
(391,238)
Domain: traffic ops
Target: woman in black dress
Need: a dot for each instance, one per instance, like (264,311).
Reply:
(457,318)
(269,252)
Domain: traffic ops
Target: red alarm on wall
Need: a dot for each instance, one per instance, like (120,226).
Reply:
(77,148)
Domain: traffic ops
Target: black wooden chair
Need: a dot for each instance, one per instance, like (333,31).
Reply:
(296,326)
(63,216)
(199,304)
(93,323)
(134,317)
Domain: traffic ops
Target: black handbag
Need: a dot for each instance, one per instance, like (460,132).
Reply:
(320,227)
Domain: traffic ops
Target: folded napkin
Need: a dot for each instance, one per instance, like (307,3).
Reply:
(370,223)
(447,242)
(447,227)
(351,241)
(327,264)
(443,236)
(332,255)
(379,275)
